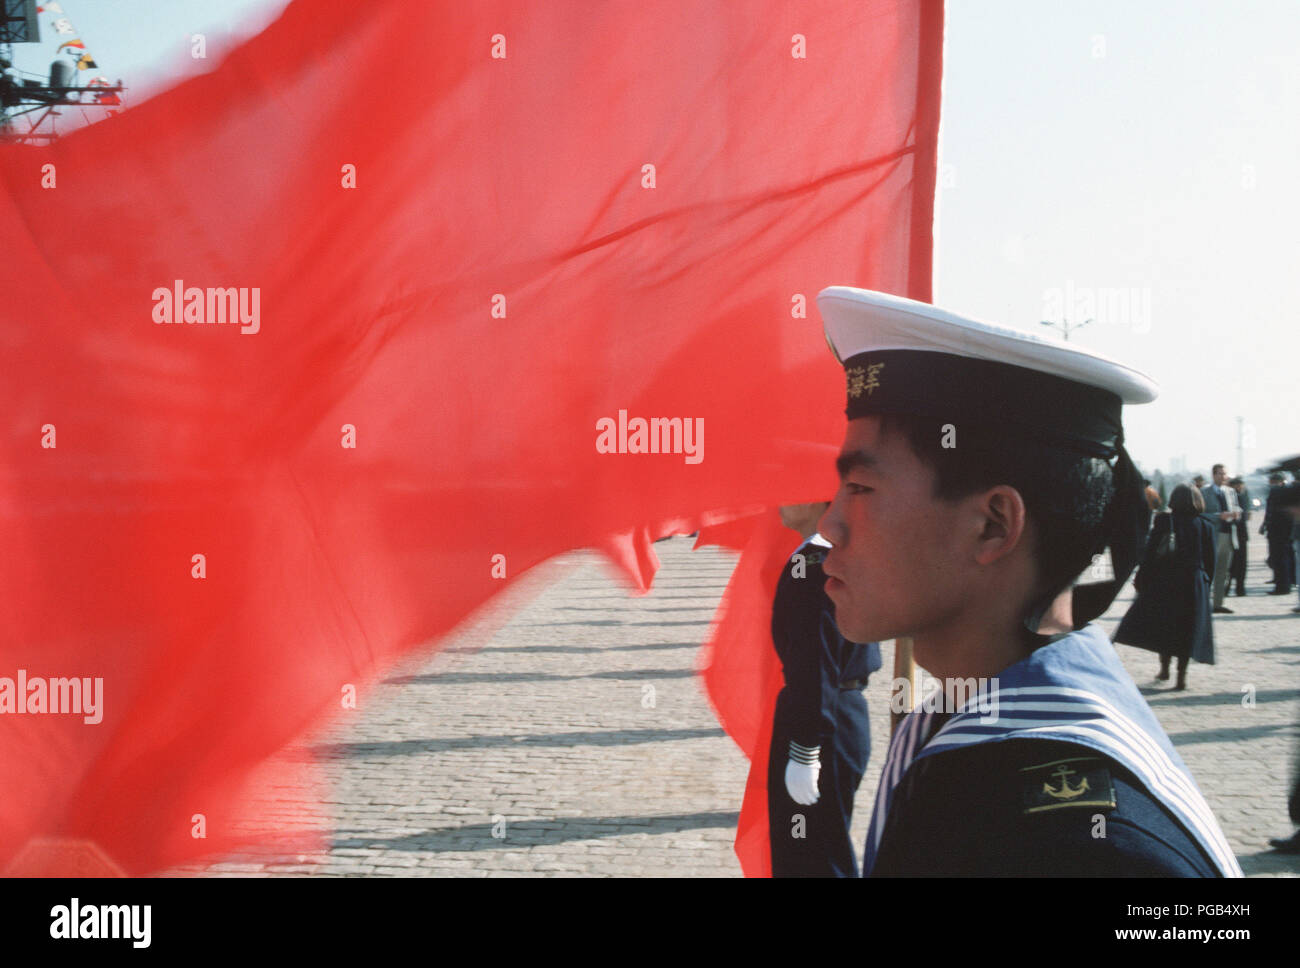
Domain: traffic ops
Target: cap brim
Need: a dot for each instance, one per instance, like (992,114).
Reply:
(861,320)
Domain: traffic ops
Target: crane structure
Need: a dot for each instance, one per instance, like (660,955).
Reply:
(31,104)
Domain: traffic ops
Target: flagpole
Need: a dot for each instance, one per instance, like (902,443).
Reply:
(905,670)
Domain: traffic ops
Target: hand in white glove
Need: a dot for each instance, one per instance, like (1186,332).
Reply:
(801,773)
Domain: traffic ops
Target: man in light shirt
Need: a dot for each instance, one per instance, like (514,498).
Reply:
(1222,510)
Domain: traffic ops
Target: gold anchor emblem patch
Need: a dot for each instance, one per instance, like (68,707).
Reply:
(1081,781)
(1065,791)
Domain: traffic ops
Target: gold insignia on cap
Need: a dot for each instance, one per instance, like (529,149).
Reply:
(863,379)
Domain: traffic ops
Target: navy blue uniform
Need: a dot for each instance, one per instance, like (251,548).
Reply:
(821,705)
(1031,808)
(1060,769)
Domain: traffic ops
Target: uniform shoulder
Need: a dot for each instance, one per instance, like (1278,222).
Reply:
(1033,807)
(803,571)
(811,551)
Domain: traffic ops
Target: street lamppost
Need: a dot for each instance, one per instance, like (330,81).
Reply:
(1065,326)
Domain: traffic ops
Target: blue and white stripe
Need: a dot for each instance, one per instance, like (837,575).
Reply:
(908,739)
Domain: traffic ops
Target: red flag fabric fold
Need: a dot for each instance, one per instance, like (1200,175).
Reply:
(350,349)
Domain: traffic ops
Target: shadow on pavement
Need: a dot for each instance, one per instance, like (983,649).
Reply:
(1156,696)
(1229,735)
(1269,862)
(464,678)
(622,737)
(530,833)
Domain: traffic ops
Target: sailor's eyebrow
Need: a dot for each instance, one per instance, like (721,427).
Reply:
(854,460)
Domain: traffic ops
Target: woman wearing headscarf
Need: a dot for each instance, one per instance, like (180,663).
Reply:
(1171,615)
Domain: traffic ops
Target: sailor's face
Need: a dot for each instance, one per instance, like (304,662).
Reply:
(894,569)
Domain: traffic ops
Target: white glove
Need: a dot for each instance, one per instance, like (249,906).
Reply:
(801,773)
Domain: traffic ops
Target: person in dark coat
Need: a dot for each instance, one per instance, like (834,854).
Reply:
(1237,574)
(820,734)
(1295,550)
(1277,528)
(1285,501)
(1172,612)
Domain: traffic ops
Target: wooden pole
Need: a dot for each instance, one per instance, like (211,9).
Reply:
(904,669)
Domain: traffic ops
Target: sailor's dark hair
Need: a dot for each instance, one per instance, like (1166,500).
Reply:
(1065,492)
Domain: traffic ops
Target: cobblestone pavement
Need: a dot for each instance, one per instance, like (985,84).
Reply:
(577,739)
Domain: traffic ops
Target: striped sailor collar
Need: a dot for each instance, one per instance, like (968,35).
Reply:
(1076,690)
(1082,659)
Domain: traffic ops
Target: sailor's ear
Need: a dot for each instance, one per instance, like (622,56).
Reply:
(1002,520)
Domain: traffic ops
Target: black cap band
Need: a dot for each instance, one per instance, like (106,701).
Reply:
(1029,403)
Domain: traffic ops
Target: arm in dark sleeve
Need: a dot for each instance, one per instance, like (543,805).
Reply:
(1148,553)
(1161,526)
(800,623)
(1164,526)
(1207,550)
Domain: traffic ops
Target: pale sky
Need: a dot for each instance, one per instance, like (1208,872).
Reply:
(1166,166)
(1132,161)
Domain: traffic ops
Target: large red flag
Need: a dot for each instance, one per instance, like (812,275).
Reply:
(454,286)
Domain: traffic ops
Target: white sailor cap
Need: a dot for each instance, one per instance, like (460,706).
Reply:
(907,357)
(903,356)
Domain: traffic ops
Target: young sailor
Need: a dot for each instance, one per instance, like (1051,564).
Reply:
(983,470)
